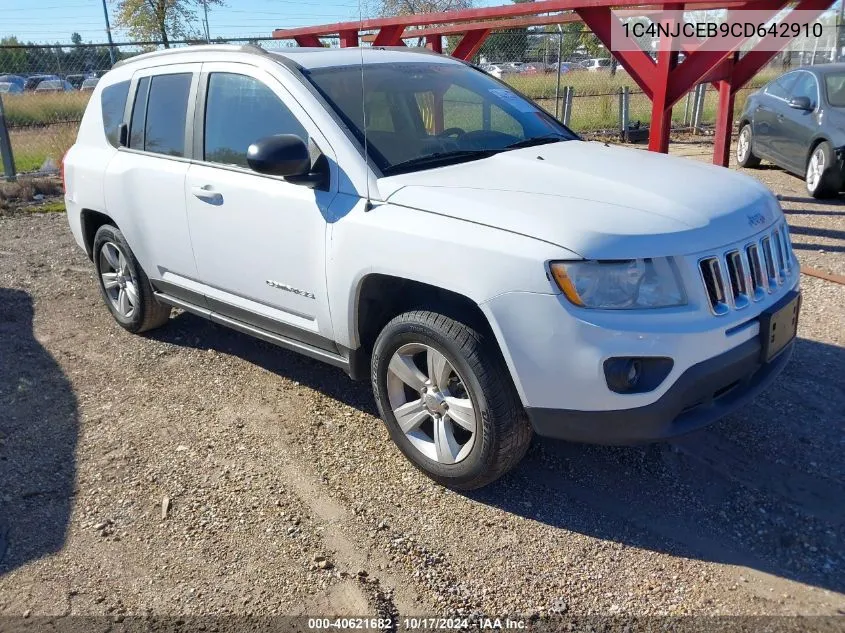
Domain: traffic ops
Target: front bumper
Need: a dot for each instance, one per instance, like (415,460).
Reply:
(702,394)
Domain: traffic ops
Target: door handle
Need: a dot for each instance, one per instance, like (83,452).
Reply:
(207,193)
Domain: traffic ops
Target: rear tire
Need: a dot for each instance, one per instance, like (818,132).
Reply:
(463,424)
(744,155)
(124,285)
(824,173)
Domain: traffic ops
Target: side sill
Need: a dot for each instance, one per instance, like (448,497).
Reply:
(294,346)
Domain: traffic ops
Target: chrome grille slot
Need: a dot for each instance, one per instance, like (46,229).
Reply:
(755,271)
(769,259)
(738,278)
(749,272)
(777,240)
(787,246)
(714,283)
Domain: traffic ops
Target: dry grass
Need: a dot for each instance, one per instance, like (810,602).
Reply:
(31,146)
(34,108)
(14,195)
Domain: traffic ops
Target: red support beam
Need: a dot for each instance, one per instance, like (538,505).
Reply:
(470,44)
(661,107)
(493,25)
(307,40)
(704,57)
(390,36)
(349,38)
(724,124)
(466,15)
(606,27)
(434,43)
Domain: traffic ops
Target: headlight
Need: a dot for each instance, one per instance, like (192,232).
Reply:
(621,284)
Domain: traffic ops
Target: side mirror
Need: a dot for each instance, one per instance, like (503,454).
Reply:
(279,155)
(801,103)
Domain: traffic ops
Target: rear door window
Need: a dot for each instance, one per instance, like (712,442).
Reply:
(167,111)
(113,104)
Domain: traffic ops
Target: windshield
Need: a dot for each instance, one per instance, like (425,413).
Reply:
(834,84)
(422,114)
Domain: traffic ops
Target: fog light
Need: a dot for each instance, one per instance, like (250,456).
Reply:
(622,374)
(630,374)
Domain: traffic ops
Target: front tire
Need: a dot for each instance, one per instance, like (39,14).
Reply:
(744,155)
(447,399)
(823,177)
(124,286)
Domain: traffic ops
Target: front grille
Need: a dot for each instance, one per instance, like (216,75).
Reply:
(741,276)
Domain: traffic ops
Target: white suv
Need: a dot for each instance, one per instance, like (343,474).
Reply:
(492,274)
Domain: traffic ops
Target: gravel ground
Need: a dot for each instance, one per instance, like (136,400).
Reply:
(197,471)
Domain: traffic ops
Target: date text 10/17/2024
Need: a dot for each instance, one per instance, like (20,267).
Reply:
(417,624)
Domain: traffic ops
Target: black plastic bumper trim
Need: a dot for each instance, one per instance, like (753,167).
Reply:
(703,394)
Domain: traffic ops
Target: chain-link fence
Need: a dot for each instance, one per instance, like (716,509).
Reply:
(44,89)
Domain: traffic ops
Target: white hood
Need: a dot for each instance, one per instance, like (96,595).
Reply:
(598,201)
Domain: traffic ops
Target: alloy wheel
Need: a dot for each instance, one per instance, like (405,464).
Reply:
(815,169)
(120,286)
(743,144)
(431,404)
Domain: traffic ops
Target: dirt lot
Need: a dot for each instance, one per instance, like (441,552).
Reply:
(197,471)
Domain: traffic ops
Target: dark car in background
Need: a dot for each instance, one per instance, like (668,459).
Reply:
(797,122)
(15,80)
(33,81)
(76,80)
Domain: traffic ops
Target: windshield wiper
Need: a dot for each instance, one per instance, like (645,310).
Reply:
(537,140)
(439,158)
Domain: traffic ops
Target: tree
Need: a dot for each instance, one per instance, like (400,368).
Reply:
(76,38)
(161,19)
(390,8)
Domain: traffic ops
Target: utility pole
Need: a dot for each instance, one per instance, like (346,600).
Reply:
(207,31)
(108,33)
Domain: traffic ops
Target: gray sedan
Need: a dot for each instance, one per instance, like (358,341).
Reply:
(797,122)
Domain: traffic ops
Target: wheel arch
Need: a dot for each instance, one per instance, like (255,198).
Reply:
(380,297)
(91,222)
(814,143)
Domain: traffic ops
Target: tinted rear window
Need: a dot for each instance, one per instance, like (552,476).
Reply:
(167,109)
(113,103)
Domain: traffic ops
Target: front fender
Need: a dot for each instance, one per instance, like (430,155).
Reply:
(478,262)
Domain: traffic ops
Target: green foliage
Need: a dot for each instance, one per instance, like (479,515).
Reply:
(161,20)
(57,60)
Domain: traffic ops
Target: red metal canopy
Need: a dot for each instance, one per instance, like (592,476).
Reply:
(664,81)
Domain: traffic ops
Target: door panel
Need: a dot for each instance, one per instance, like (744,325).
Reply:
(800,126)
(144,190)
(259,241)
(767,128)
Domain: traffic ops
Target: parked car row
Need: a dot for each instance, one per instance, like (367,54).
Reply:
(16,84)
(499,69)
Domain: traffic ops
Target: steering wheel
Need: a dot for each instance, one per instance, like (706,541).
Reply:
(452,131)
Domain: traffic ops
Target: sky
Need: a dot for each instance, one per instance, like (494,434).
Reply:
(49,21)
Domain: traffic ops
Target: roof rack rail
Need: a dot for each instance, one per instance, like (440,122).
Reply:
(245,48)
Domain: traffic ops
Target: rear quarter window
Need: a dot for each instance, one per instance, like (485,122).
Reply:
(113,104)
